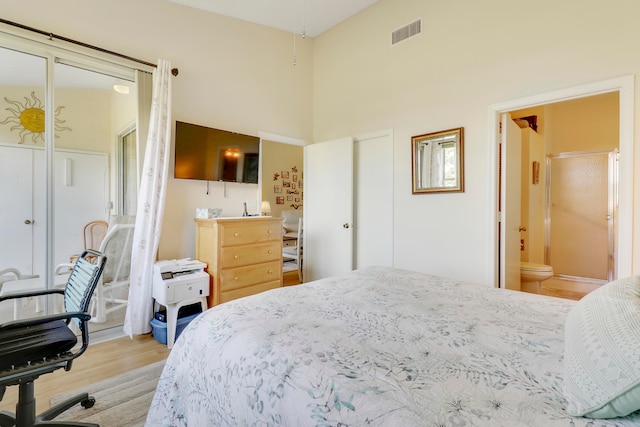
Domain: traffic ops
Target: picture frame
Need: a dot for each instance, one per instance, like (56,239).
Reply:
(437,162)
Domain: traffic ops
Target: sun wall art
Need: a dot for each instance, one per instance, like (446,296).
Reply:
(28,119)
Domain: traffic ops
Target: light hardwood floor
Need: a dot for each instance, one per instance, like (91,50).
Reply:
(101,361)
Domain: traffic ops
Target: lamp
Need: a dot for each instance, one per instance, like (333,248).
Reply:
(266,208)
(121,89)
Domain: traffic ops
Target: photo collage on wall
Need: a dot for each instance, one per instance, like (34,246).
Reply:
(287,188)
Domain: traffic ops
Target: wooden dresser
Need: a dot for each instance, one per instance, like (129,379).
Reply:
(243,255)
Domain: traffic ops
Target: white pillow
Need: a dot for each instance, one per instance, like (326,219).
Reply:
(602,352)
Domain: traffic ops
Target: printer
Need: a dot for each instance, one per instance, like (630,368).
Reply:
(179,280)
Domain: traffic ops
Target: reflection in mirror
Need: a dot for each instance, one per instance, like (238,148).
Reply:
(22,232)
(438,162)
(76,136)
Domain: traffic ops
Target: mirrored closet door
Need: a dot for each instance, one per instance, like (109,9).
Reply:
(68,158)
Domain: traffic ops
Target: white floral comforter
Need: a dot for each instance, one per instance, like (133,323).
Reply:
(380,347)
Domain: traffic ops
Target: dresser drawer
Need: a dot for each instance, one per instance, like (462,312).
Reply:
(249,290)
(242,234)
(240,277)
(236,256)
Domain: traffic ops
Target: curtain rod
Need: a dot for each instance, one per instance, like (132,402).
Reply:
(52,36)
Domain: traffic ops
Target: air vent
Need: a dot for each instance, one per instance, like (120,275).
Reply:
(406,32)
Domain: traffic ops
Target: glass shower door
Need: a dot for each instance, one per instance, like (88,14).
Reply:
(581,215)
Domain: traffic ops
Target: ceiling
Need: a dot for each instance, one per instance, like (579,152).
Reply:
(311,17)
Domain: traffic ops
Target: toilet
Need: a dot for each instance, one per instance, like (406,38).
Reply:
(531,274)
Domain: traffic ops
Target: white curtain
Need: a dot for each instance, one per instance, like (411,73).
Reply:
(432,167)
(437,165)
(151,198)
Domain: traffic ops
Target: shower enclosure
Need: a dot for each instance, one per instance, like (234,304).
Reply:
(581,215)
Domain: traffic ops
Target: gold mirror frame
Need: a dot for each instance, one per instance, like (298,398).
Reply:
(437,162)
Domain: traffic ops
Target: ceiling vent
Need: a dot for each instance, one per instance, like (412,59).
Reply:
(406,32)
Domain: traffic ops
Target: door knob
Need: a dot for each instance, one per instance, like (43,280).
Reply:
(345,225)
(27,221)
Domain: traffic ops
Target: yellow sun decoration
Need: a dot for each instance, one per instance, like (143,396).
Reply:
(29,119)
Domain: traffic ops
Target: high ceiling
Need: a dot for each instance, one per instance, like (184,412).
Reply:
(313,17)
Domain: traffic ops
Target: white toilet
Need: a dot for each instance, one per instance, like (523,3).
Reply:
(531,274)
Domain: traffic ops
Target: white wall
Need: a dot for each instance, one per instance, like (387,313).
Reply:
(471,55)
(233,75)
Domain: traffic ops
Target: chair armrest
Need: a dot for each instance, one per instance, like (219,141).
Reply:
(13,271)
(32,294)
(32,321)
(65,266)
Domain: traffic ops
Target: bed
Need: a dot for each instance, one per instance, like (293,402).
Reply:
(378,346)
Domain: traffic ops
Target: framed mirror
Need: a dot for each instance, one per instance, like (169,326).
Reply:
(437,162)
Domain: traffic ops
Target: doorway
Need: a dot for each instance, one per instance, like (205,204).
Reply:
(622,89)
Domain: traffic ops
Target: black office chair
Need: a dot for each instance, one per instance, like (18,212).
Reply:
(40,345)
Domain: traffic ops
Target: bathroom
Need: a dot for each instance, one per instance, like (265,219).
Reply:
(568,195)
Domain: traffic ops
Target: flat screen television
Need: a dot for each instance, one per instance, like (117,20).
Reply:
(215,155)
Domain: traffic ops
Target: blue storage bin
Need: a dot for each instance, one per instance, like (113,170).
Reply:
(160,328)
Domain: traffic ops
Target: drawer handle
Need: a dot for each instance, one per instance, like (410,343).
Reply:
(236,256)
(270,271)
(236,234)
(235,278)
(269,251)
(269,232)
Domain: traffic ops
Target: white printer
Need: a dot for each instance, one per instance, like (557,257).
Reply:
(179,280)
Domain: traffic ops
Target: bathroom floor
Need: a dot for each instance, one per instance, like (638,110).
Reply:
(569,289)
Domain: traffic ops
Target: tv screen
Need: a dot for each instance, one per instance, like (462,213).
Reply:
(215,155)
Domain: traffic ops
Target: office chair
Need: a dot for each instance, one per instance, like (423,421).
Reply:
(40,345)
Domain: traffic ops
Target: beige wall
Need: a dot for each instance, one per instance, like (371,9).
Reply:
(276,158)
(587,124)
(470,56)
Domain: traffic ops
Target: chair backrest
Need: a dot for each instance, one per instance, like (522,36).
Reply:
(94,233)
(290,220)
(82,282)
(299,244)
(116,246)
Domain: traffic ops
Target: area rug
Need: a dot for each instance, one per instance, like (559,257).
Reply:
(121,401)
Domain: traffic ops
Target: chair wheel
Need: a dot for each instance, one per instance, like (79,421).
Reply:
(86,404)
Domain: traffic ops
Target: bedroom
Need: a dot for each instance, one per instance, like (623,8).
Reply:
(349,82)
(309,101)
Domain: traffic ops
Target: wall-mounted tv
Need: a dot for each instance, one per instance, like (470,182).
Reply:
(215,155)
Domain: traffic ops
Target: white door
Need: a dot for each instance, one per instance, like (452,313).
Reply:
(16,209)
(81,193)
(510,179)
(328,209)
(81,196)
(374,200)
